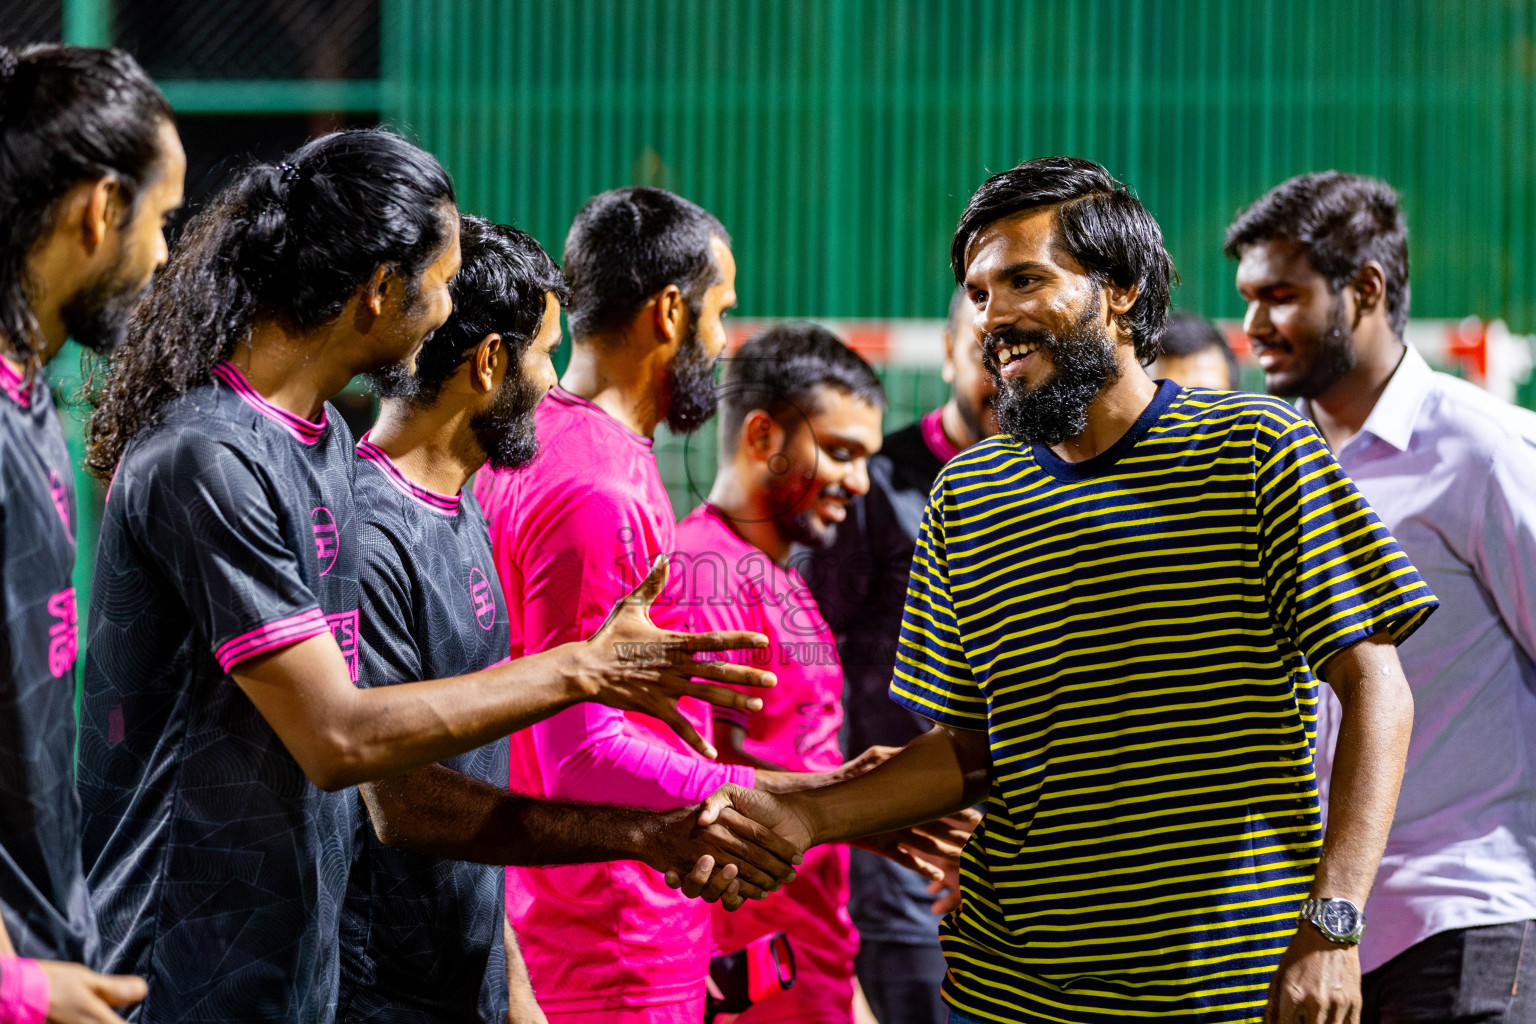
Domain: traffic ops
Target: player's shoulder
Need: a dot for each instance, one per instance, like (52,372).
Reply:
(197,428)
(703,529)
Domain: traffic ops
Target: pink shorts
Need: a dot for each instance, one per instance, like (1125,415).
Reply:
(690,1011)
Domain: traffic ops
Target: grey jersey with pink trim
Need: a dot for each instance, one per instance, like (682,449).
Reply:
(421,936)
(42,887)
(216,867)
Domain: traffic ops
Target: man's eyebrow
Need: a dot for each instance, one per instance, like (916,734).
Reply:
(831,437)
(1022,267)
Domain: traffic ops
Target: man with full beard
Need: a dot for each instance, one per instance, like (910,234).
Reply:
(90,168)
(1115,615)
(1323,265)
(422,924)
(650,274)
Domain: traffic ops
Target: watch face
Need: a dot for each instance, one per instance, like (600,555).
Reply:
(1339,918)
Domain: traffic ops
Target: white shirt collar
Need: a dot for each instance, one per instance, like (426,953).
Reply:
(1397,410)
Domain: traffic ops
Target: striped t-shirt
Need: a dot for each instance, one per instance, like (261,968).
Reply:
(1137,634)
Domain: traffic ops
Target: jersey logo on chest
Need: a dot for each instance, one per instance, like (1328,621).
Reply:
(482,599)
(327,539)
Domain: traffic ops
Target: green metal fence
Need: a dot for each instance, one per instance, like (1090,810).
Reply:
(839,139)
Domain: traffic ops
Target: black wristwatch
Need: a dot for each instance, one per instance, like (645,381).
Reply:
(1338,919)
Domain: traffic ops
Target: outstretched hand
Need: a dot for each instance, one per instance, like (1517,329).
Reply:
(632,664)
(874,757)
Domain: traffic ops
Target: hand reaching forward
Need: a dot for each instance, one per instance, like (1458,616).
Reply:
(871,758)
(745,812)
(632,664)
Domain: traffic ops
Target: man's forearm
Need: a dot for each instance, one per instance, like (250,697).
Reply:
(940,772)
(442,812)
(374,733)
(1368,766)
(445,813)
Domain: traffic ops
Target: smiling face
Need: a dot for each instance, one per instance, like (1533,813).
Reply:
(822,465)
(1299,325)
(1040,318)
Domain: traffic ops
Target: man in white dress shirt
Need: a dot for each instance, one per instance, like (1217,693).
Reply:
(1451,470)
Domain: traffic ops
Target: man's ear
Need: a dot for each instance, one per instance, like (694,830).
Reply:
(90,211)
(947,372)
(383,278)
(1370,285)
(761,435)
(670,314)
(1120,300)
(488,355)
(105,210)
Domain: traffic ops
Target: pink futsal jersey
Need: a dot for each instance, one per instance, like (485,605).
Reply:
(733,585)
(572,534)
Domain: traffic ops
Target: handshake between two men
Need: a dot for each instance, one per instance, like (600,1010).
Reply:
(742,844)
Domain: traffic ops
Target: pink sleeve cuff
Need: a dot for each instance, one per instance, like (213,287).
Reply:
(23,992)
(270,636)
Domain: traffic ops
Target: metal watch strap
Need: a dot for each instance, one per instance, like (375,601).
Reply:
(1314,913)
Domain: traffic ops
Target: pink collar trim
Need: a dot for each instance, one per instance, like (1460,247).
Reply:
(13,383)
(446,504)
(561,396)
(934,437)
(302,429)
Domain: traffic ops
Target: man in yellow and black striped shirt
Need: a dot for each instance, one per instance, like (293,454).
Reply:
(1117,615)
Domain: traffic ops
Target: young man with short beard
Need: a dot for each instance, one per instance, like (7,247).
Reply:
(421,931)
(90,169)
(860,585)
(800,417)
(1323,265)
(1116,615)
